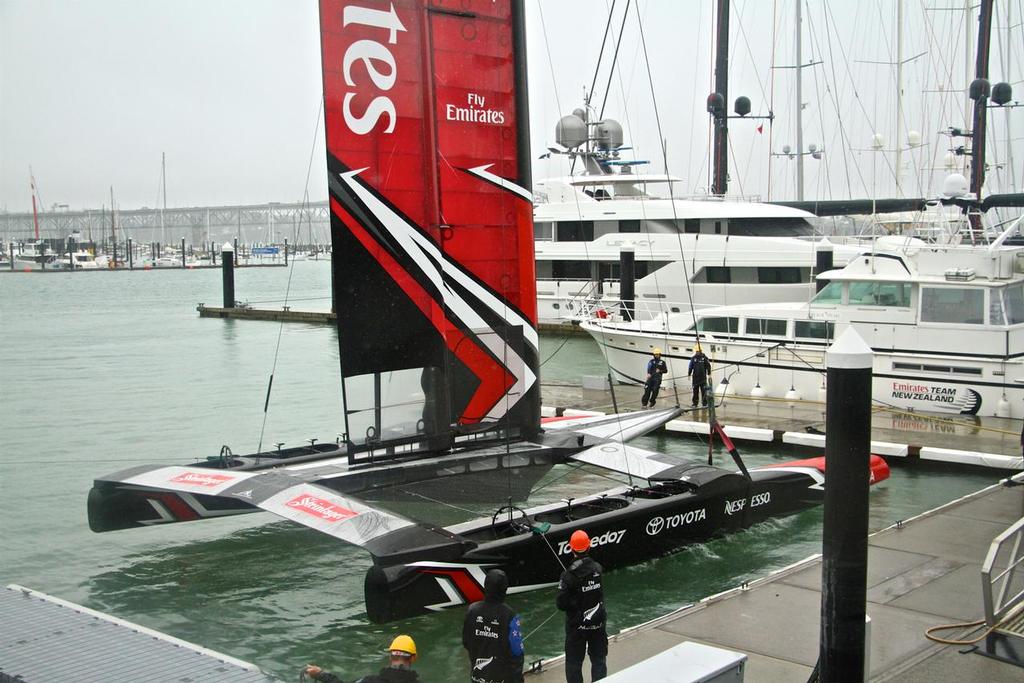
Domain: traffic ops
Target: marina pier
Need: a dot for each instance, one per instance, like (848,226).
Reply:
(922,573)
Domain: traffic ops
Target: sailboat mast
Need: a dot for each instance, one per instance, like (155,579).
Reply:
(980,109)
(799,108)
(113,225)
(163,181)
(35,211)
(899,99)
(721,120)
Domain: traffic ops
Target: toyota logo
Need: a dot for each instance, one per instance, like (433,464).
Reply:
(655,526)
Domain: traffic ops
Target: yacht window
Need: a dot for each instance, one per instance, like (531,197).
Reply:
(770,227)
(629,226)
(880,294)
(575,231)
(570,270)
(831,295)
(766,327)
(814,329)
(953,305)
(778,276)
(543,230)
(948,369)
(995,307)
(691,225)
(719,275)
(728,325)
(1014,297)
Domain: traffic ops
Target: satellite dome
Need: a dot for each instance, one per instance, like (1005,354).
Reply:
(955,185)
(609,134)
(571,131)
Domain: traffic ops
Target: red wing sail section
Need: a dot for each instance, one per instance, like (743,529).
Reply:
(431,222)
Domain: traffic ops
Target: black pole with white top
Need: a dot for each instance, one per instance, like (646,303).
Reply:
(822,262)
(627,281)
(845,542)
(227,261)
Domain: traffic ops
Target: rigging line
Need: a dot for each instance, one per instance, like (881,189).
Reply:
(552,616)
(407,492)
(615,57)
(750,53)
(771,93)
(838,109)
(288,285)
(600,54)
(672,200)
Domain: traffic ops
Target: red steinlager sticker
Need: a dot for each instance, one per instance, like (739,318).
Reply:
(318,507)
(202,479)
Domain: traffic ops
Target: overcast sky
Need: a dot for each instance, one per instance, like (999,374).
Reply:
(92,92)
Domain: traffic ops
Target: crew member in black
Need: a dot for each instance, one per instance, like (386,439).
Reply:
(700,368)
(493,636)
(581,597)
(656,369)
(401,655)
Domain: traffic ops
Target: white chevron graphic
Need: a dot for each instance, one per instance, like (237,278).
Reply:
(482,172)
(438,268)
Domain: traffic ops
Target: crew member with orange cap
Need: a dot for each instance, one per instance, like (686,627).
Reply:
(581,597)
(656,369)
(401,655)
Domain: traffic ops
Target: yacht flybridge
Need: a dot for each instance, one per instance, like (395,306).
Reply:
(946,324)
(699,250)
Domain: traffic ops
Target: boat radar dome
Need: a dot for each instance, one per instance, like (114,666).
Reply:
(609,134)
(571,131)
(955,185)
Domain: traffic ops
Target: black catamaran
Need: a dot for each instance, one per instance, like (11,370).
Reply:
(428,160)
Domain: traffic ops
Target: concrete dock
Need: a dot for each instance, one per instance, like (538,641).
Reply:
(922,573)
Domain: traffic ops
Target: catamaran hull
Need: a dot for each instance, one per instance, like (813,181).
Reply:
(627,526)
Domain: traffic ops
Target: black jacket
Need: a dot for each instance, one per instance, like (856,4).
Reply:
(581,595)
(492,635)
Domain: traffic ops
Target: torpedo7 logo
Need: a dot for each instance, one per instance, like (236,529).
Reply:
(202,479)
(607,538)
(318,507)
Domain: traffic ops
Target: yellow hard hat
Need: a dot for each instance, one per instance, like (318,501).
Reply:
(404,644)
(696,347)
(657,351)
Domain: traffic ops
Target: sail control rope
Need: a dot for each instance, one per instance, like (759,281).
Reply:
(288,286)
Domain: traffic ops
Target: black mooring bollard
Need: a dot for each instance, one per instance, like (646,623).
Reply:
(286,251)
(182,252)
(844,562)
(131,255)
(12,254)
(227,260)
(822,262)
(627,281)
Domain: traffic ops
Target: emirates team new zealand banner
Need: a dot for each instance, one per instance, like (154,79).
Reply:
(431,220)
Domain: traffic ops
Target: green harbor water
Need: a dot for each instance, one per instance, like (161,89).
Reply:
(102,371)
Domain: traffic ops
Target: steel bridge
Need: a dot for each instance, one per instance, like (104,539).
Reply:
(271,223)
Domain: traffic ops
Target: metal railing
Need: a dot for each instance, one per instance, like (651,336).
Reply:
(1002,574)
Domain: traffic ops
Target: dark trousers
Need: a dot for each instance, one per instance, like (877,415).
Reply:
(651,390)
(702,389)
(578,644)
